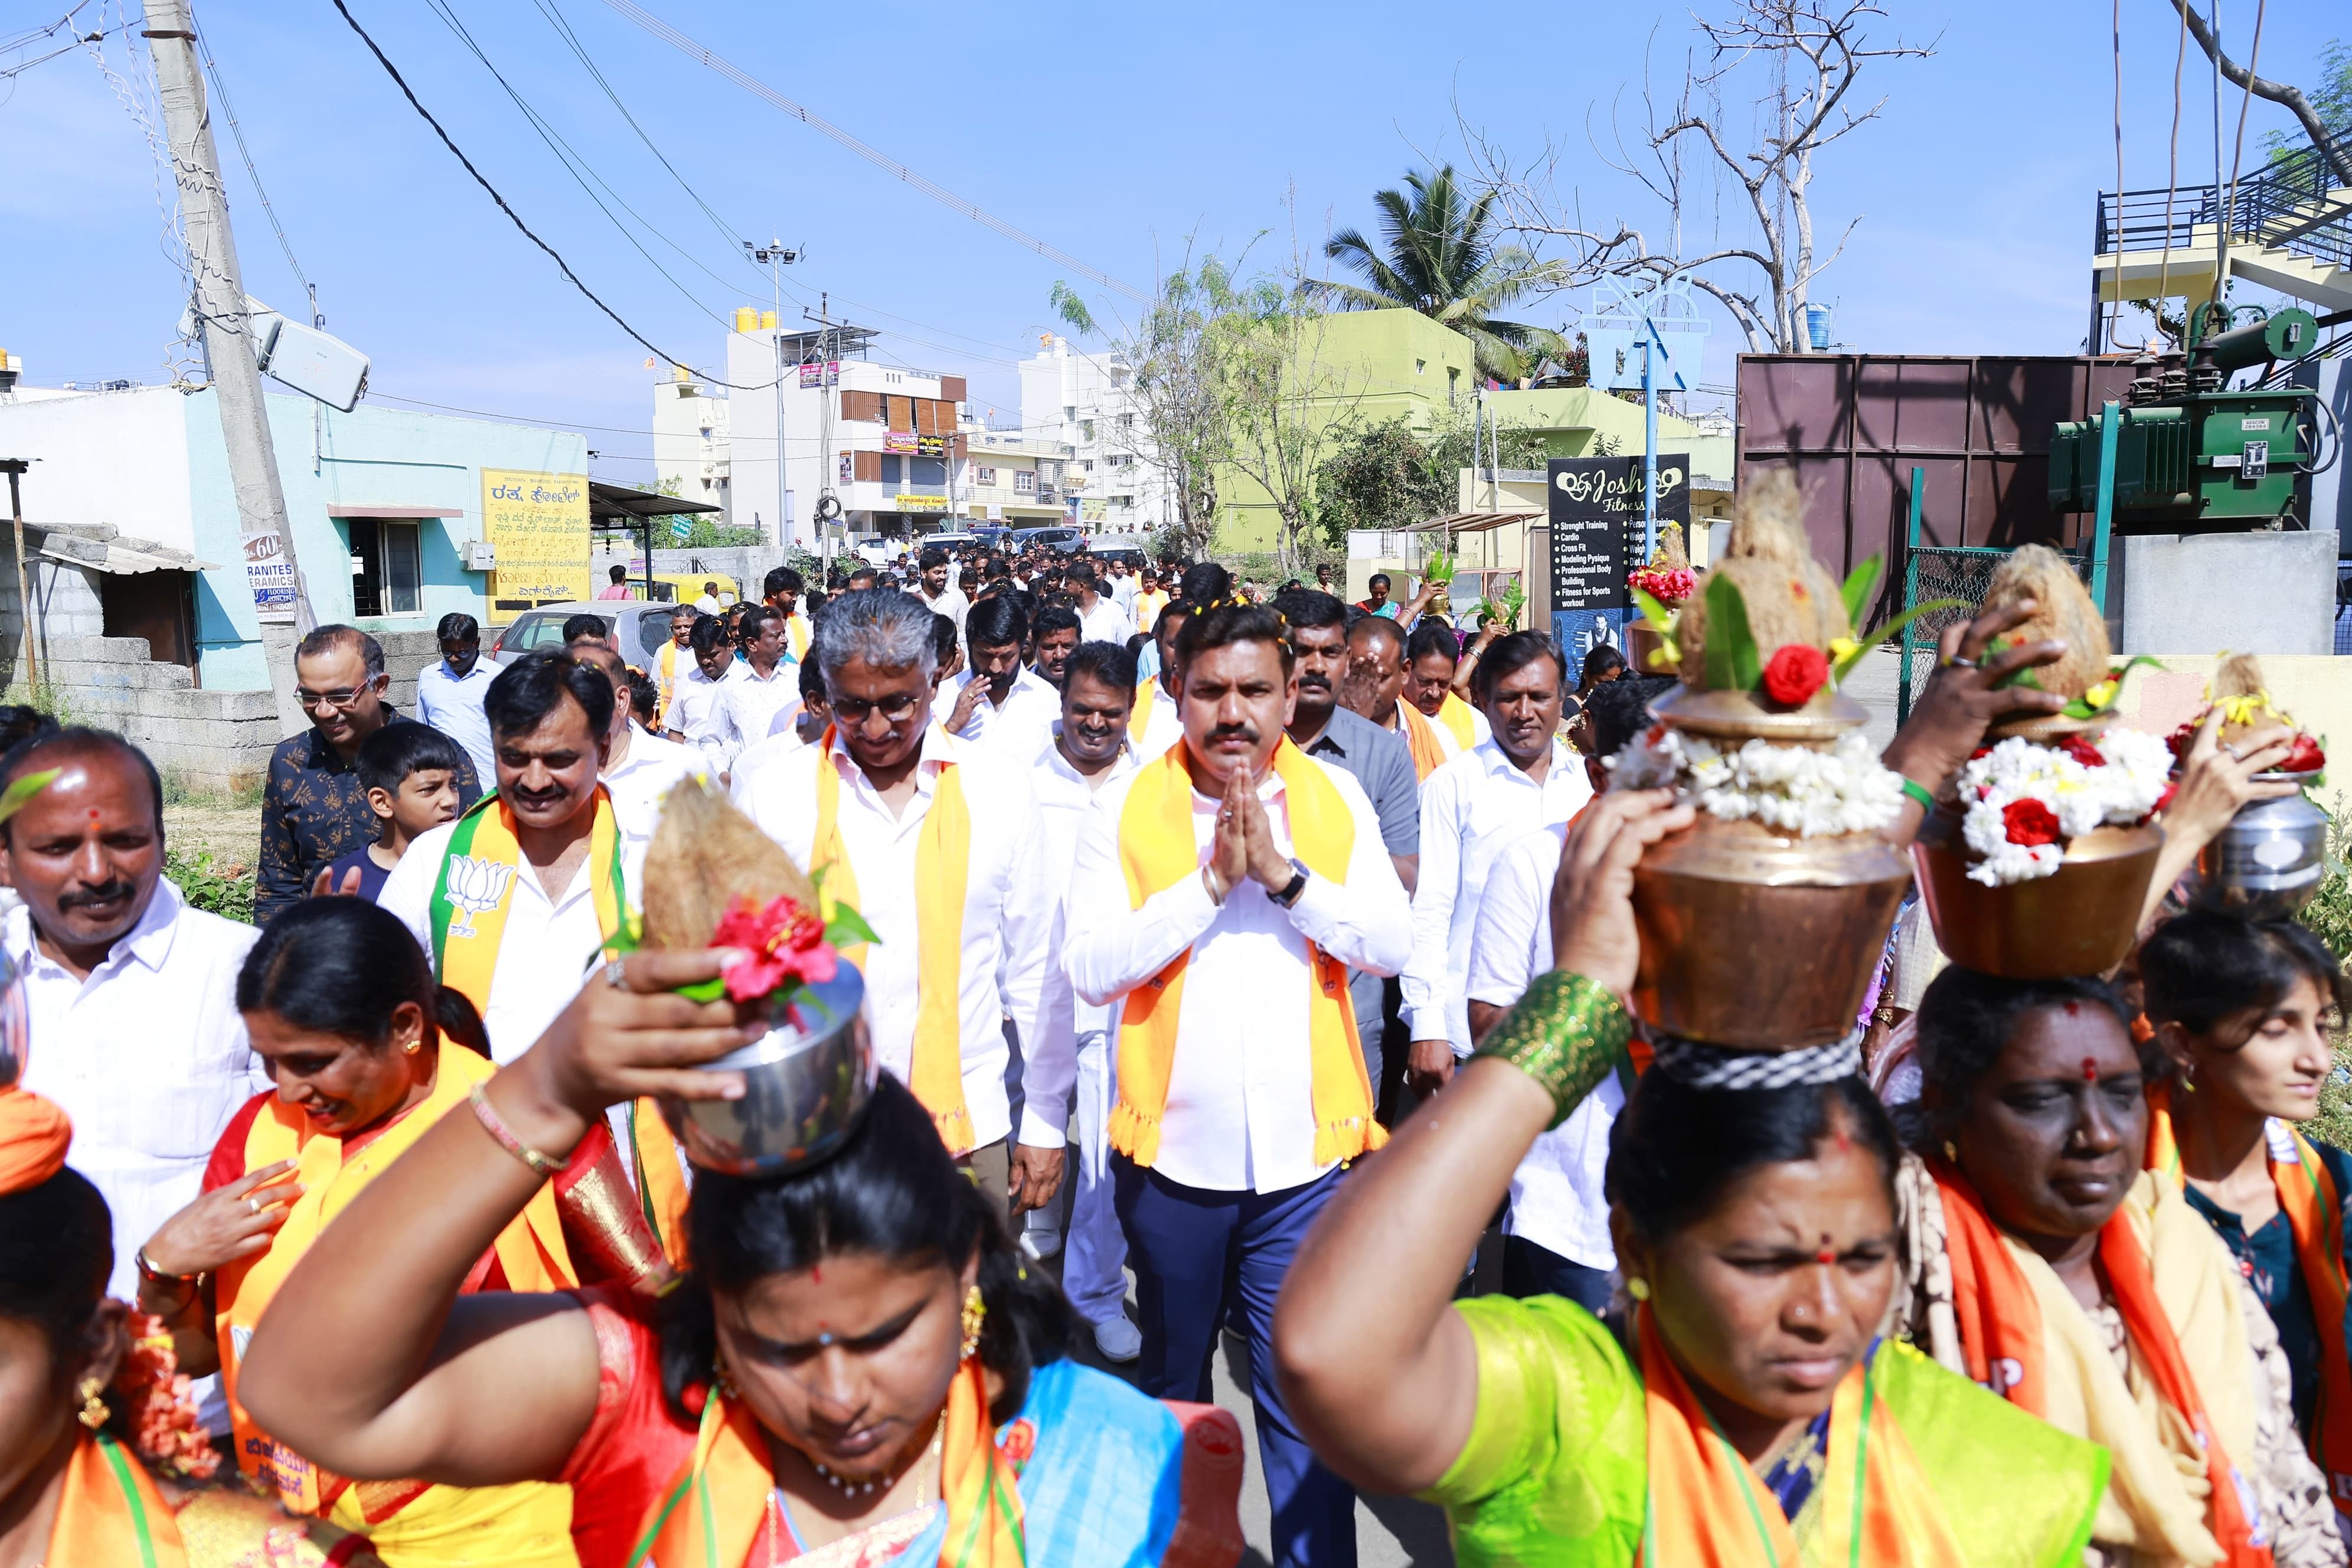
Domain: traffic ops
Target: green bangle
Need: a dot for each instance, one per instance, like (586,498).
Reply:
(1921,794)
(1566,1033)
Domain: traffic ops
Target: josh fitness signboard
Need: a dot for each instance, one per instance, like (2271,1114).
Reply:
(1595,511)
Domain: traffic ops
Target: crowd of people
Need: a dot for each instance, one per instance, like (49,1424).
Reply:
(1242,966)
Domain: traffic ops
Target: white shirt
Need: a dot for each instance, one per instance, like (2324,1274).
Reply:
(1163,730)
(454,707)
(148,1055)
(1106,622)
(642,780)
(782,738)
(549,945)
(1240,1114)
(1065,801)
(1015,728)
(1470,809)
(1008,917)
(748,703)
(695,711)
(1556,1197)
(707,605)
(1122,588)
(950,602)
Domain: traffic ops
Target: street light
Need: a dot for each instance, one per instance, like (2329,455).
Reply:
(775,258)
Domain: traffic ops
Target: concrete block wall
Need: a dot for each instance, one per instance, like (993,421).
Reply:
(216,743)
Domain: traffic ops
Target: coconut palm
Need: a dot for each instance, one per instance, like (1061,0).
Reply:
(1439,257)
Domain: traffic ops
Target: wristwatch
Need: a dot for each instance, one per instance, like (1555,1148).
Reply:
(1292,888)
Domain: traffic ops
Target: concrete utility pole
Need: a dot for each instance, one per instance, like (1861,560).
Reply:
(227,328)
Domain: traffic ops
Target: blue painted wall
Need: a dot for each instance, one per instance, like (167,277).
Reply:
(370,457)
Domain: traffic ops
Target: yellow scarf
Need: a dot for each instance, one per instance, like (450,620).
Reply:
(1460,721)
(1158,849)
(1429,752)
(475,887)
(528,1521)
(942,872)
(1139,713)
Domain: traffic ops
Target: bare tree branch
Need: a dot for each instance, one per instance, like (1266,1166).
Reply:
(2290,98)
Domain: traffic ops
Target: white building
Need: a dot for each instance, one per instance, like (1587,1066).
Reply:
(1017,479)
(884,443)
(691,441)
(1083,401)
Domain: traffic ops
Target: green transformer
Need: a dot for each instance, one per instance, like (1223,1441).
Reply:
(2189,457)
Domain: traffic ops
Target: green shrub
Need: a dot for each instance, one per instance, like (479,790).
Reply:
(206,884)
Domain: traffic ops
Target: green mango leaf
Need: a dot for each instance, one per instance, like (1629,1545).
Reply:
(848,928)
(1732,661)
(2084,708)
(711,990)
(1891,629)
(23,790)
(1855,591)
(1660,620)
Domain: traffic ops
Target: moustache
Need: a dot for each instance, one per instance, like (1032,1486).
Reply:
(104,893)
(1314,682)
(1245,733)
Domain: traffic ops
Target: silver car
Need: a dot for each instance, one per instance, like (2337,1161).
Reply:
(644,628)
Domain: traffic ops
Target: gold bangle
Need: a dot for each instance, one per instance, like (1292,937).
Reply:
(1566,1033)
(496,1126)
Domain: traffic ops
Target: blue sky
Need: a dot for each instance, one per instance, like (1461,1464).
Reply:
(1112,132)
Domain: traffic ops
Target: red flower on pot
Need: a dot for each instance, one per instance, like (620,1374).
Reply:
(2030,823)
(1795,672)
(2082,751)
(785,942)
(2306,757)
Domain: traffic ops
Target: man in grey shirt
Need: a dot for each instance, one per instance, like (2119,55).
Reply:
(1318,625)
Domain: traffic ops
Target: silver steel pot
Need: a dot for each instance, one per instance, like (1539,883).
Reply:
(804,1086)
(15,1023)
(2269,859)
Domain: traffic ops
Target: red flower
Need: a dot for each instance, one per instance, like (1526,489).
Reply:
(2163,800)
(2306,757)
(785,944)
(2082,751)
(1018,1443)
(1981,751)
(2030,823)
(1795,673)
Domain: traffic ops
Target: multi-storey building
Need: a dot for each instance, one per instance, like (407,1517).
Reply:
(692,444)
(1086,403)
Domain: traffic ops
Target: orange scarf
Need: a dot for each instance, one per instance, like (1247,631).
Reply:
(2002,1337)
(1705,1508)
(942,873)
(711,1512)
(110,1512)
(1421,738)
(34,1137)
(1158,850)
(2314,1216)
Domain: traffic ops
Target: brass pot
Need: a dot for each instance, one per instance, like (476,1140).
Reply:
(1759,939)
(2082,921)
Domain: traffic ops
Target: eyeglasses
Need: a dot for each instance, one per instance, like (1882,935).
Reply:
(344,699)
(851,711)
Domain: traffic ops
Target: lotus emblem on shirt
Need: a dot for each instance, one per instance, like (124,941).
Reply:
(476,887)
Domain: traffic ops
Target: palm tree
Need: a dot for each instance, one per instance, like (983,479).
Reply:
(1438,257)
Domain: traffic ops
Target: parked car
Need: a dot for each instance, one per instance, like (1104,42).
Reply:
(1049,538)
(950,540)
(1132,547)
(644,628)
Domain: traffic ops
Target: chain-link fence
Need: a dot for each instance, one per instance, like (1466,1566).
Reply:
(1937,572)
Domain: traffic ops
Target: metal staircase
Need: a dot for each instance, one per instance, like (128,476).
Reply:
(2289,227)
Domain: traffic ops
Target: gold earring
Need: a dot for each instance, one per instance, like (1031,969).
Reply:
(1638,1287)
(413,1046)
(726,1384)
(1951,1153)
(975,1312)
(93,1402)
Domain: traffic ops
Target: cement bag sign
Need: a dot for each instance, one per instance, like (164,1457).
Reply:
(270,576)
(537,523)
(1594,507)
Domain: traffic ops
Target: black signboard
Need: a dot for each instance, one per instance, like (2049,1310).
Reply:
(1595,507)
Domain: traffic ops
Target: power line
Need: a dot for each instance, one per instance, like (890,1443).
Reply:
(236,132)
(562,265)
(891,166)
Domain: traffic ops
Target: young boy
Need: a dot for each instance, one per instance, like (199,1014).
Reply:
(410,773)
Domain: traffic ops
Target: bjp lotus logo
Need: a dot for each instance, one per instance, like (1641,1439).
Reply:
(476,887)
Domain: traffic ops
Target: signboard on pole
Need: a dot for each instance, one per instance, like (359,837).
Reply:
(1595,511)
(537,523)
(270,576)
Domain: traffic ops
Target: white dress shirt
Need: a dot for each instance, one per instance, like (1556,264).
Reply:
(1240,1114)
(1163,730)
(148,1055)
(1015,728)
(749,702)
(547,949)
(1008,917)
(1106,622)
(1556,1197)
(1065,801)
(454,707)
(641,781)
(951,604)
(1470,809)
(698,712)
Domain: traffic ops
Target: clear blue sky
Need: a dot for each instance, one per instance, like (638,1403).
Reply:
(1113,133)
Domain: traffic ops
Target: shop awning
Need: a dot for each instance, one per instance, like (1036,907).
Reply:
(103,548)
(1473,522)
(612,504)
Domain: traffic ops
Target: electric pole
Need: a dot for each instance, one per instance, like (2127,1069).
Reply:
(777,258)
(227,329)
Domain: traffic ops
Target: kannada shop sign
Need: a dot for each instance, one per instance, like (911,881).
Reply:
(1595,511)
(537,523)
(920,503)
(907,441)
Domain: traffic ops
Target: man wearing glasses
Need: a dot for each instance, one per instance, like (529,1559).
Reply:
(313,808)
(934,841)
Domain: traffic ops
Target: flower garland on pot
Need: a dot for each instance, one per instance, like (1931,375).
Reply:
(2238,689)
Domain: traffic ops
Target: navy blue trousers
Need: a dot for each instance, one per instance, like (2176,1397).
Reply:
(1196,1253)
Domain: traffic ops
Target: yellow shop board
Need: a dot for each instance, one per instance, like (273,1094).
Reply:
(538,524)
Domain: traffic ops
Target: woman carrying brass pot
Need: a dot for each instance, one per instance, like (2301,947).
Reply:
(2045,1264)
(1746,1410)
(2243,1011)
